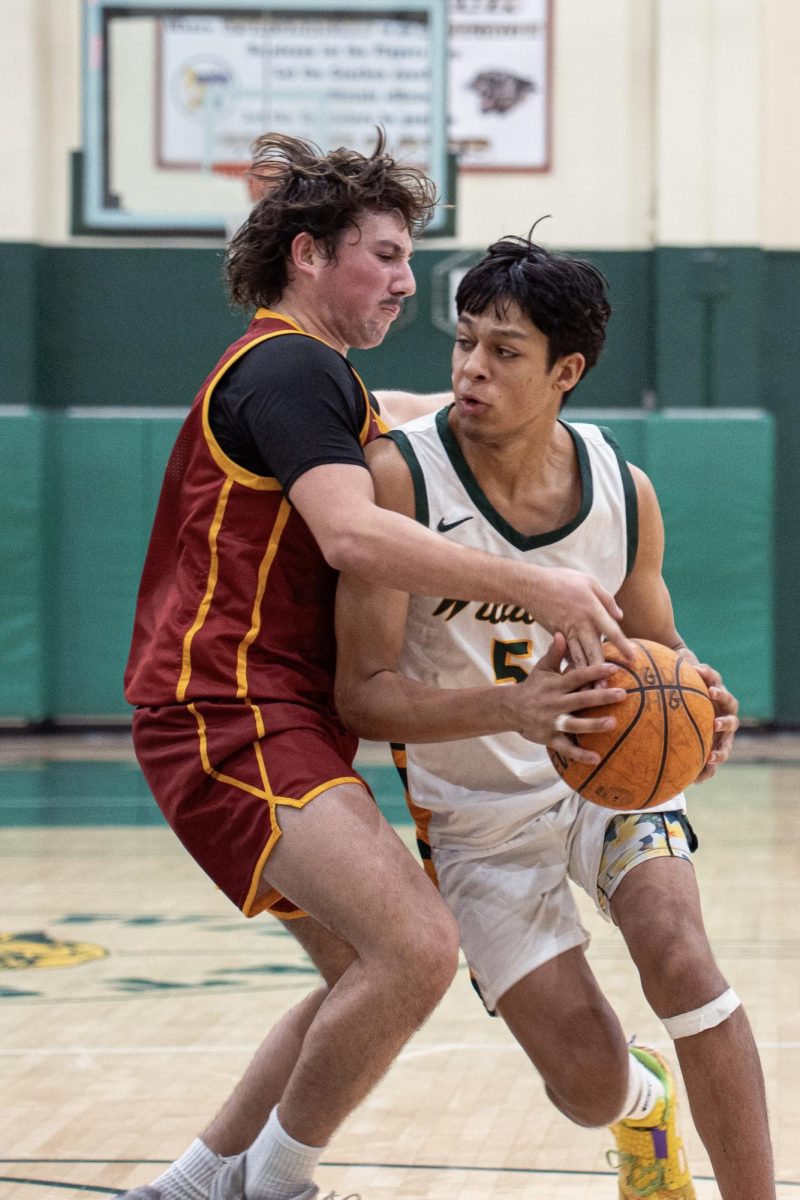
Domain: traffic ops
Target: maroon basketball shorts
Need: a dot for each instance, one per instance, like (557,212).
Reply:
(221,771)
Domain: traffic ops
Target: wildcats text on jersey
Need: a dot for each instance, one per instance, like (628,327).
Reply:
(495,614)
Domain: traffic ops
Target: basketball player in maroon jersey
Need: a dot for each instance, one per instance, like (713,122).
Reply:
(500,829)
(231,669)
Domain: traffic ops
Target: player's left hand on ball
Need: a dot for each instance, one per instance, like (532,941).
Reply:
(726,720)
(548,702)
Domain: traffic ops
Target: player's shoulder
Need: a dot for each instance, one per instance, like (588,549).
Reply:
(391,474)
(645,489)
(422,431)
(597,435)
(384,455)
(398,445)
(421,425)
(295,352)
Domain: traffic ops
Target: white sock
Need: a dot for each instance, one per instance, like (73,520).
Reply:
(189,1178)
(277,1166)
(644,1090)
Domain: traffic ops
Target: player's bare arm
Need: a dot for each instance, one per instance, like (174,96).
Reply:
(337,502)
(647,605)
(377,702)
(399,407)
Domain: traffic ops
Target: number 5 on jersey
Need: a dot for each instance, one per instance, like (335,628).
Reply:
(505,670)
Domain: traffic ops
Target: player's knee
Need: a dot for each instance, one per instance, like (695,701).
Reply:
(428,961)
(333,964)
(600,1110)
(438,948)
(590,1106)
(591,1088)
(682,978)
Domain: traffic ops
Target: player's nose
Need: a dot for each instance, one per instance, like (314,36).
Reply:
(404,282)
(474,365)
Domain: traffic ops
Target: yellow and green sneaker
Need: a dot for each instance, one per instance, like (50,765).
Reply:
(649,1154)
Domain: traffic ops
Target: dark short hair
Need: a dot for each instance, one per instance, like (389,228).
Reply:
(566,298)
(309,191)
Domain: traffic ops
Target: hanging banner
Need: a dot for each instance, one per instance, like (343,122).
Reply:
(224,80)
(500,84)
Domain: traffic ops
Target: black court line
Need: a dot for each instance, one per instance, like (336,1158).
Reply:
(55,1183)
(444,1167)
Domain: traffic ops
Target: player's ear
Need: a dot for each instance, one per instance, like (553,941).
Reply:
(568,371)
(304,252)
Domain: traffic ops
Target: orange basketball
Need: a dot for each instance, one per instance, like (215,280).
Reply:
(663,736)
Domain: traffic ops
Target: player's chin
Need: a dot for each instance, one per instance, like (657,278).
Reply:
(373,334)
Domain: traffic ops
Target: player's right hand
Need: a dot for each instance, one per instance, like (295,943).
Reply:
(579,607)
(544,704)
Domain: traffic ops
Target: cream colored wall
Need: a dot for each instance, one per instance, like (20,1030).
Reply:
(21,117)
(599,186)
(40,54)
(780,126)
(708,135)
(675,122)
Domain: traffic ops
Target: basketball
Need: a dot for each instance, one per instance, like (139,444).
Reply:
(663,736)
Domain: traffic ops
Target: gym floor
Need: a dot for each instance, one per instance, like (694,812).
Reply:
(133,995)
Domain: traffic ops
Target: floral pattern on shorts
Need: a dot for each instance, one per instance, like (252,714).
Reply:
(630,838)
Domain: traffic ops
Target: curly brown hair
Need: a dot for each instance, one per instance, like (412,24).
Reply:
(308,191)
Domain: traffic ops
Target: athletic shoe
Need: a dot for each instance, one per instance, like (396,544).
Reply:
(140,1193)
(649,1153)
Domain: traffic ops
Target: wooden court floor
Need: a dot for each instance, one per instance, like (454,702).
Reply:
(132,996)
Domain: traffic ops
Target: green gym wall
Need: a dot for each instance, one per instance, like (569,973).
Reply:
(102,348)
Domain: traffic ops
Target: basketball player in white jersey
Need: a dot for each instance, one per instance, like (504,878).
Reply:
(498,829)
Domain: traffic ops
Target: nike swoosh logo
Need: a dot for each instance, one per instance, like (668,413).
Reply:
(443,525)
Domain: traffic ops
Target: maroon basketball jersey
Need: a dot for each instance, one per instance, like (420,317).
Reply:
(236,600)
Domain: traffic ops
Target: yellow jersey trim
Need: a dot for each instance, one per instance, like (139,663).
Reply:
(253,904)
(263,574)
(267,483)
(369,411)
(211,583)
(248,479)
(260,793)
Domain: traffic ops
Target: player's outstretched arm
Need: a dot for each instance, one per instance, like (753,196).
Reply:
(399,407)
(355,534)
(378,702)
(647,605)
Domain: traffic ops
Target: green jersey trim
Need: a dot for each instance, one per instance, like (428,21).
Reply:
(400,440)
(519,540)
(631,500)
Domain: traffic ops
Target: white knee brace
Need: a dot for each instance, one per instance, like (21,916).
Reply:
(711,1014)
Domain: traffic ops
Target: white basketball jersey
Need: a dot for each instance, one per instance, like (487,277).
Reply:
(479,792)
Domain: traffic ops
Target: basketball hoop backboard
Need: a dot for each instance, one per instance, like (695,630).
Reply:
(176,92)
